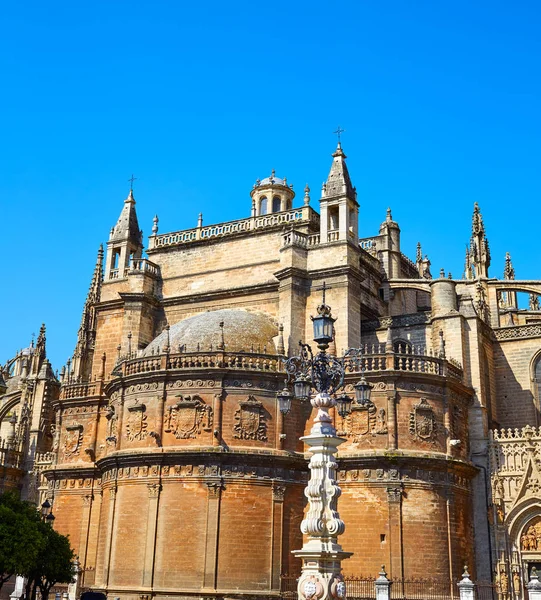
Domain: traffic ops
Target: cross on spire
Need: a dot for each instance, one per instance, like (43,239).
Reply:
(324,288)
(338,132)
(131,180)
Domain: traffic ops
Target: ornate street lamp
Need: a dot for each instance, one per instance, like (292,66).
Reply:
(363,389)
(47,512)
(284,400)
(321,554)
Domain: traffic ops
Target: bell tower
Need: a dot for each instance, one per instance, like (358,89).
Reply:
(339,208)
(125,241)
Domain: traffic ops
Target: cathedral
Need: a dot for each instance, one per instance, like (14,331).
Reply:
(163,452)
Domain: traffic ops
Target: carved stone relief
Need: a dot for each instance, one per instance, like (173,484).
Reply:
(136,427)
(423,422)
(530,540)
(250,423)
(364,419)
(188,417)
(73,440)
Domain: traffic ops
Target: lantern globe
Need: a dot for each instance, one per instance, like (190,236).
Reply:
(284,400)
(302,387)
(343,405)
(363,389)
(323,329)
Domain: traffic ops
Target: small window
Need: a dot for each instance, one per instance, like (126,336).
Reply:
(333,218)
(263,206)
(276,204)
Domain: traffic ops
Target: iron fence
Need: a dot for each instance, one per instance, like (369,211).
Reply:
(363,588)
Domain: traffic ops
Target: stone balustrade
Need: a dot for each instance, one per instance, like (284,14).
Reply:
(9,457)
(211,359)
(409,359)
(71,390)
(262,222)
(370,358)
(142,265)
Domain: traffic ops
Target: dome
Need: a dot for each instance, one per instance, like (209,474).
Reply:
(242,331)
(272,181)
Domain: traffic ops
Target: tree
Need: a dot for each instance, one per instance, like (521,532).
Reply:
(55,562)
(32,548)
(20,538)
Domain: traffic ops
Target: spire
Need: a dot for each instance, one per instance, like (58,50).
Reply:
(508,271)
(479,250)
(87,329)
(468,271)
(419,259)
(338,182)
(40,344)
(306,195)
(127,227)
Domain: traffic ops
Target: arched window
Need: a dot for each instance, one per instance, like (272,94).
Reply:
(276,204)
(263,206)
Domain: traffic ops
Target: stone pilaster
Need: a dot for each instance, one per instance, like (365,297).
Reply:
(215,488)
(154,489)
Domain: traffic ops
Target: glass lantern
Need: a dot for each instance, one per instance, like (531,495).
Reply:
(284,400)
(302,387)
(323,328)
(363,389)
(343,405)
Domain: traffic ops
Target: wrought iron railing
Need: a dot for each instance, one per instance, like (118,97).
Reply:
(363,588)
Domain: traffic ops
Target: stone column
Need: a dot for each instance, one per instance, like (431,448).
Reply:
(85,527)
(534,586)
(321,553)
(215,488)
(217,410)
(110,534)
(152,524)
(466,587)
(392,426)
(278,494)
(394,497)
(383,585)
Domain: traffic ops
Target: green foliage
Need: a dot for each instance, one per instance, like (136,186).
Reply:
(20,538)
(32,548)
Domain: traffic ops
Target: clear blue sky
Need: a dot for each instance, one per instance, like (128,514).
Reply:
(440,102)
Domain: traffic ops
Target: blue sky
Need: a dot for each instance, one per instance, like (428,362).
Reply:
(440,102)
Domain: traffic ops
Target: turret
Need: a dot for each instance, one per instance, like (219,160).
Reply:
(338,204)
(125,241)
(271,195)
(479,251)
(389,247)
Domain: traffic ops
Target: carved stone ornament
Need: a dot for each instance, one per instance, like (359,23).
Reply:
(364,419)
(136,428)
(338,588)
(423,422)
(530,540)
(188,417)
(215,488)
(250,421)
(278,493)
(73,439)
(311,588)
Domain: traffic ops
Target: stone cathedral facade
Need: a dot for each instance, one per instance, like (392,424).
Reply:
(167,461)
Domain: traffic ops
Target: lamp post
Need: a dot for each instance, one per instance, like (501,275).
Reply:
(321,554)
(47,513)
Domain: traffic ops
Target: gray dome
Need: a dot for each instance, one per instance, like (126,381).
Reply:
(273,181)
(243,331)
